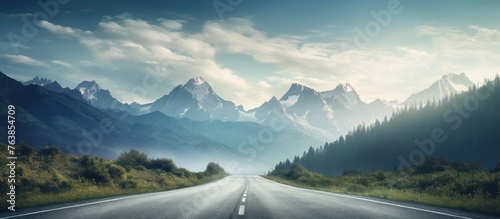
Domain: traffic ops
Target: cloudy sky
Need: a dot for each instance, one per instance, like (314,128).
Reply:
(250,50)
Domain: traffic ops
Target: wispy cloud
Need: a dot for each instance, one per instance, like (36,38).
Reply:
(61,62)
(374,71)
(22,59)
(63,31)
(123,39)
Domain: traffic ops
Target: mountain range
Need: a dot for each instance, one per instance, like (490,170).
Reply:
(44,117)
(193,119)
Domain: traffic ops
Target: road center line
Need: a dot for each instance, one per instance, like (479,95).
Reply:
(243,199)
(242,210)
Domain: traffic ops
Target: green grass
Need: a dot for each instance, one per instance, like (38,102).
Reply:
(61,178)
(467,191)
(94,191)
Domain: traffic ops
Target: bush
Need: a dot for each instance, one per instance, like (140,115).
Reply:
(48,187)
(132,159)
(432,165)
(140,168)
(66,185)
(128,184)
(496,169)
(295,172)
(356,188)
(93,169)
(115,171)
(467,167)
(49,151)
(181,172)
(24,149)
(164,164)
(213,168)
(349,172)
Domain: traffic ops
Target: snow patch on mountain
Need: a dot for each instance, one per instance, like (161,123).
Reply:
(38,81)
(290,101)
(447,85)
(89,89)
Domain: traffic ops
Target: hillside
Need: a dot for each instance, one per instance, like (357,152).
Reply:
(50,176)
(45,117)
(463,127)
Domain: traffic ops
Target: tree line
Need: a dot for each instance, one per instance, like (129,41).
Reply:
(461,127)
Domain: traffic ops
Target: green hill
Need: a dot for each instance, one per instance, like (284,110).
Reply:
(50,176)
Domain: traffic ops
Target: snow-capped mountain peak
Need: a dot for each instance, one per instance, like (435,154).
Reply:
(198,81)
(199,88)
(38,81)
(345,87)
(294,91)
(448,84)
(88,89)
(459,82)
(196,100)
(344,94)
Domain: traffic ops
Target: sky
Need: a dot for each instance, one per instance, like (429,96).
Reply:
(249,51)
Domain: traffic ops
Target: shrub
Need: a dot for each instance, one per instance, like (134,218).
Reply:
(48,187)
(128,184)
(295,172)
(24,149)
(181,172)
(132,159)
(496,169)
(115,171)
(140,168)
(433,164)
(66,185)
(379,175)
(356,188)
(349,172)
(467,166)
(163,164)
(93,169)
(213,168)
(49,151)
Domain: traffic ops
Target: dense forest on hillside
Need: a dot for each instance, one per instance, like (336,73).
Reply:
(463,127)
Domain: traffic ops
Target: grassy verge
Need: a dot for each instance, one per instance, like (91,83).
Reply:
(50,176)
(469,191)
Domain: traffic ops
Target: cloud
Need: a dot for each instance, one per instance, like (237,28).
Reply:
(375,71)
(61,62)
(473,49)
(171,24)
(61,30)
(125,45)
(22,59)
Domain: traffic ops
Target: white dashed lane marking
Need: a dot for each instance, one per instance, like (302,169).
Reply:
(242,210)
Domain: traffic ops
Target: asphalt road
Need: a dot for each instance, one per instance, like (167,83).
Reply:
(240,197)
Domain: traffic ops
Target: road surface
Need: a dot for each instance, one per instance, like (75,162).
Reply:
(240,197)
